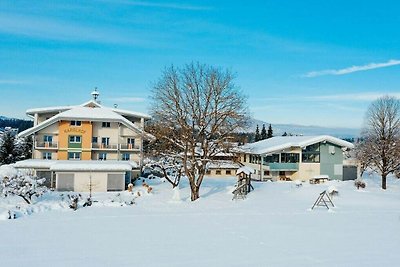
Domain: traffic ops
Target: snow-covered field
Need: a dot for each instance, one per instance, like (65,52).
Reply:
(274,226)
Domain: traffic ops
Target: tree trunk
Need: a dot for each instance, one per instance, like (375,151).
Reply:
(384,181)
(194,193)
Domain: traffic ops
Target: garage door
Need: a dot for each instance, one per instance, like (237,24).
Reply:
(65,182)
(115,182)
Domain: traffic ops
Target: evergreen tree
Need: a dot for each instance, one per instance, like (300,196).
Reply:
(263,133)
(23,148)
(258,136)
(8,153)
(270,132)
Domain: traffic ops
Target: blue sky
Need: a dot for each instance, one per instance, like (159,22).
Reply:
(303,62)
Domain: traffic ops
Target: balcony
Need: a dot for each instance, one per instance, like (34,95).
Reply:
(104,146)
(129,147)
(284,166)
(46,145)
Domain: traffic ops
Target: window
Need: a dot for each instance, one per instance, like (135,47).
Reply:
(102,156)
(105,140)
(106,124)
(74,155)
(75,139)
(48,138)
(94,139)
(218,172)
(244,157)
(208,172)
(126,156)
(290,157)
(131,142)
(274,158)
(76,123)
(228,172)
(311,154)
(266,173)
(46,155)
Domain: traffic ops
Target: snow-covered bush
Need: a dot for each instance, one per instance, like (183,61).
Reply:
(168,167)
(359,183)
(17,183)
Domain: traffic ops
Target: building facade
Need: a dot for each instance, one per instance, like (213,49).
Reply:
(88,132)
(295,157)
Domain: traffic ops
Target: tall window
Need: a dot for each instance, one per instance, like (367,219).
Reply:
(76,123)
(74,155)
(126,156)
(105,140)
(94,139)
(274,158)
(102,156)
(46,155)
(311,153)
(131,142)
(290,157)
(106,124)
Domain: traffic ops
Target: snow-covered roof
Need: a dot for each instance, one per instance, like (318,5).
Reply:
(246,170)
(71,165)
(279,143)
(89,103)
(34,163)
(86,113)
(223,164)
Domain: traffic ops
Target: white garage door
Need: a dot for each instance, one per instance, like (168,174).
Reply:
(115,182)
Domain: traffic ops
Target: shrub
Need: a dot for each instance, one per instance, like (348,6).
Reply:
(359,183)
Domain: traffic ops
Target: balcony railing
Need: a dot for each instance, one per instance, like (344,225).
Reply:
(128,146)
(46,144)
(104,146)
(284,166)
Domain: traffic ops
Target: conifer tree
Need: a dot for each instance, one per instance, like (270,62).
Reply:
(258,136)
(270,132)
(263,133)
(8,153)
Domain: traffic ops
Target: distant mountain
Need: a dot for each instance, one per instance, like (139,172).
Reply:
(295,129)
(19,124)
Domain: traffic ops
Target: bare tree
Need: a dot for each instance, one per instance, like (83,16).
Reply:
(195,109)
(380,145)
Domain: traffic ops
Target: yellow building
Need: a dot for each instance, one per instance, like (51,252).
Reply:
(77,147)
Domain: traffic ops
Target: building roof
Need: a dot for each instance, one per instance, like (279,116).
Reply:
(78,165)
(86,113)
(279,143)
(223,164)
(246,170)
(90,103)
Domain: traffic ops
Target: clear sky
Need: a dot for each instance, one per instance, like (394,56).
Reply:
(303,62)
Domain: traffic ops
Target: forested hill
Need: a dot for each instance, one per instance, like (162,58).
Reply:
(15,123)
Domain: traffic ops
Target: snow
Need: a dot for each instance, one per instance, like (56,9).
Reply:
(246,170)
(279,143)
(69,165)
(223,164)
(93,166)
(86,113)
(90,102)
(274,226)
